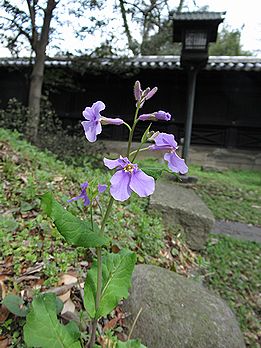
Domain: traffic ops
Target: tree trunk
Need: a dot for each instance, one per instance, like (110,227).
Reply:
(35,93)
(36,83)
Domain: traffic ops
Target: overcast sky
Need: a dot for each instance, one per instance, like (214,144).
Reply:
(240,14)
(245,14)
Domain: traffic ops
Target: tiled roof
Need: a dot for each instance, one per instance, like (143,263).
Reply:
(237,63)
(181,16)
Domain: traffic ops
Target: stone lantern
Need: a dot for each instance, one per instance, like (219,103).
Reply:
(194,30)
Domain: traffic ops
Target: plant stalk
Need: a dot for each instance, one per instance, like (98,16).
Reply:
(99,276)
(132,130)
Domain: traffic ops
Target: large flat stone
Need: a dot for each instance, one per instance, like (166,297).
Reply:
(180,205)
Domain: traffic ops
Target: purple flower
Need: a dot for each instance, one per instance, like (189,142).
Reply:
(82,195)
(92,127)
(166,142)
(159,115)
(140,95)
(102,188)
(128,178)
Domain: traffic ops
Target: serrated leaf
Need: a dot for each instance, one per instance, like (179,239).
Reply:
(42,328)
(130,344)
(116,281)
(15,304)
(74,230)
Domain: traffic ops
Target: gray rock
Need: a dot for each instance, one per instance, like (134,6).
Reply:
(238,230)
(178,312)
(180,205)
(212,168)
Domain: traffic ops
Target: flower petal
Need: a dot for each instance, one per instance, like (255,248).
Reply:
(147,117)
(74,198)
(120,162)
(149,94)
(164,139)
(111,164)
(162,115)
(84,185)
(142,184)
(98,106)
(102,188)
(87,113)
(115,121)
(91,129)
(120,189)
(137,90)
(175,163)
(86,199)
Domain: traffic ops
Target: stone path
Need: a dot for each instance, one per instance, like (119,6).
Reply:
(238,230)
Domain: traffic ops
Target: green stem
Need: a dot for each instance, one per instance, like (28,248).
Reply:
(99,275)
(127,125)
(132,131)
(91,212)
(107,213)
(135,153)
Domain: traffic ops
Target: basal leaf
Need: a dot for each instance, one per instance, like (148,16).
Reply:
(116,281)
(74,230)
(14,304)
(42,328)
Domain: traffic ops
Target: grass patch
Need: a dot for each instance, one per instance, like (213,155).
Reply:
(233,195)
(27,238)
(233,271)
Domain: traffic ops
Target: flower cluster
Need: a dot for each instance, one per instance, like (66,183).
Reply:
(128,176)
(84,195)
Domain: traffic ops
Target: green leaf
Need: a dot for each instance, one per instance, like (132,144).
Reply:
(130,344)
(116,280)
(146,134)
(155,172)
(25,206)
(15,304)
(59,305)
(8,223)
(74,230)
(42,328)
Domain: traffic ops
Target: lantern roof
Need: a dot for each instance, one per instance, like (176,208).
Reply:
(197,16)
(207,21)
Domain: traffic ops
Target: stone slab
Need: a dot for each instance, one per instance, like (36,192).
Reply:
(180,205)
(238,230)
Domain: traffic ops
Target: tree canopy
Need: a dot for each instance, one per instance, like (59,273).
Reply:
(228,44)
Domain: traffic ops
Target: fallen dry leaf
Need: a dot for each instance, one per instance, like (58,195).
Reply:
(110,324)
(3,287)
(68,307)
(64,297)
(4,342)
(67,279)
(4,313)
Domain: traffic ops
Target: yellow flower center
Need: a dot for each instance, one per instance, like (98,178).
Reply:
(129,168)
